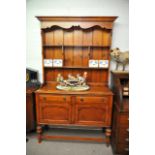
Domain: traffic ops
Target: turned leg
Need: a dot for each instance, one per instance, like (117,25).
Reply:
(108,134)
(39,131)
(123,67)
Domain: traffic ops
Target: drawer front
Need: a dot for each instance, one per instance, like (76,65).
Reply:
(91,100)
(54,98)
(122,149)
(123,135)
(93,111)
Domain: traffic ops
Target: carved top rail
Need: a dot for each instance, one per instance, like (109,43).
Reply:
(52,22)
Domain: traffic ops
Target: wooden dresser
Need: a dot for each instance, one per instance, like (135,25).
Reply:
(120,124)
(32,84)
(75,40)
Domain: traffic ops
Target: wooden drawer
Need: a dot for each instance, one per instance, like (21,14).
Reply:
(91,100)
(54,98)
(123,135)
(122,149)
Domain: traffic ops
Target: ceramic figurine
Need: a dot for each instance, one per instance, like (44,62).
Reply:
(59,78)
(81,79)
(85,74)
(72,81)
(70,77)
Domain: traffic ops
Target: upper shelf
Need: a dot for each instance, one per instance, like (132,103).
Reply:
(86,46)
(77,67)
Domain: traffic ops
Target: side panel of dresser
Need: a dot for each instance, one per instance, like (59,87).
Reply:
(120,132)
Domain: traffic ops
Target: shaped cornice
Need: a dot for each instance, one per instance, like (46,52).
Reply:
(68,23)
(74,27)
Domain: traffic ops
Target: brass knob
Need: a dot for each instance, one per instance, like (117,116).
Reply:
(126,149)
(127,139)
(44,98)
(64,98)
(103,100)
(81,99)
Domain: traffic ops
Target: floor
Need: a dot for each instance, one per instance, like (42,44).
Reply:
(67,147)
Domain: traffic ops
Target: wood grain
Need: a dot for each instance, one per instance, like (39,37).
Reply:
(75,40)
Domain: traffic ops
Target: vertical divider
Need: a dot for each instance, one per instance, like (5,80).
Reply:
(73,49)
(42,52)
(63,53)
(89,53)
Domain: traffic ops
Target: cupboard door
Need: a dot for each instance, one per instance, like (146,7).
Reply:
(54,109)
(93,111)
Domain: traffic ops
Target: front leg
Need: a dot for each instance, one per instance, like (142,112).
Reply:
(116,66)
(108,134)
(123,67)
(39,131)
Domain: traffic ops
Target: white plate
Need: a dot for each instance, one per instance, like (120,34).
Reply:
(103,63)
(48,62)
(93,63)
(57,62)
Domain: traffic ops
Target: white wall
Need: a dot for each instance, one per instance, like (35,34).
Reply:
(73,8)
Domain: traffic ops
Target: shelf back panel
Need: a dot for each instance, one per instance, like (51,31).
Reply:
(99,76)
(78,37)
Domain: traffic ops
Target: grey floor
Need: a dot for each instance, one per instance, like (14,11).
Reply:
(67,147)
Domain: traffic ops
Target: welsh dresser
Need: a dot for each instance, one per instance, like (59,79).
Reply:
(75,40)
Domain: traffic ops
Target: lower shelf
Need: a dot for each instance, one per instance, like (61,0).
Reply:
(76,67)
(73,135)
(77,138)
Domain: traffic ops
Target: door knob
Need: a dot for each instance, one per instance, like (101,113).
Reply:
(81,99)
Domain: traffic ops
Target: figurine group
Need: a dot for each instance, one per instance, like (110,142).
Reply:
(72,81)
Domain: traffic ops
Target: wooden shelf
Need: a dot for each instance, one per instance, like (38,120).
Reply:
(76,47)
(80,46)
(75,67)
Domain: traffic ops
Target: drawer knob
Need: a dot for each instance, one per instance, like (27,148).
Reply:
(64,98)
(81,99)
(127,130)
(103,100)
(127,139)
(44,98)
(126,149)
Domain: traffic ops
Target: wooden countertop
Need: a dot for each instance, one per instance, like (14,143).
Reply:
(94,90)
(30,90)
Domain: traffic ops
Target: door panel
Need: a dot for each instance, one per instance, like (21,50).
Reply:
(55,109)
(93,111)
